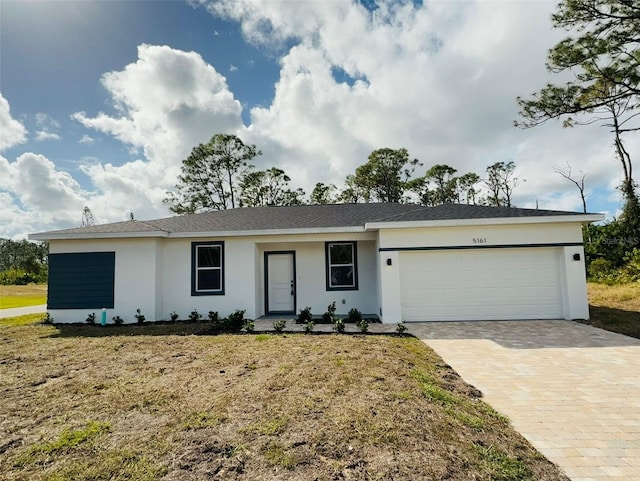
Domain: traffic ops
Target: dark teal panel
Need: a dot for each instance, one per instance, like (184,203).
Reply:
(81,280)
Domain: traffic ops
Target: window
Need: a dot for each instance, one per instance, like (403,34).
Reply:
(81,280)
(342,266)
(207,261)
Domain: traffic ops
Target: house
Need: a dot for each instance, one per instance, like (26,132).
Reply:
(399,262)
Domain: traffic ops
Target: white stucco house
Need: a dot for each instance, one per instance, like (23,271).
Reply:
(398,262)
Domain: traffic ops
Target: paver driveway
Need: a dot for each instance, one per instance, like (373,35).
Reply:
(572,390)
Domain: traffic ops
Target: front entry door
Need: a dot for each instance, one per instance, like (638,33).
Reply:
(281,284)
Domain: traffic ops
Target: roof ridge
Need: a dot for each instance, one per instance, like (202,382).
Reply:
(148,223)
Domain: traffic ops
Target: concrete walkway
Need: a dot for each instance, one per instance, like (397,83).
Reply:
(21,311)
(572,390)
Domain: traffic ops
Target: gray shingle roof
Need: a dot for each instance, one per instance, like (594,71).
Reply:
(305,217)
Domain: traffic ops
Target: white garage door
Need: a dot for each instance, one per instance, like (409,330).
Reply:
(481,284)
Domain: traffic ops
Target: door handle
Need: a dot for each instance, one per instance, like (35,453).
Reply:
(292,288)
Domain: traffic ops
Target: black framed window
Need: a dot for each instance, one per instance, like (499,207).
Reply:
(341,266)
(207,268)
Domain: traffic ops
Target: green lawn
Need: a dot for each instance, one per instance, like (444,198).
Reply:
(22,296)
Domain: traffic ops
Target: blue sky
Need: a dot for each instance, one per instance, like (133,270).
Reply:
(101,100)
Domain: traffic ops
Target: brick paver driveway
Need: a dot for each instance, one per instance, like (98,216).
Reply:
(572,390)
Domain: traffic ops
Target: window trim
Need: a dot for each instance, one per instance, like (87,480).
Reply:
(328,265)
(195,269)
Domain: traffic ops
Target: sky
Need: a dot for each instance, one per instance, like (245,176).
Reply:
(100,101)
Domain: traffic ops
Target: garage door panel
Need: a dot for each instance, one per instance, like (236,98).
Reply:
(481,284)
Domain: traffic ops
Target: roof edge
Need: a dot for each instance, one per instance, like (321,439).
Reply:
(49,236)
(580,218)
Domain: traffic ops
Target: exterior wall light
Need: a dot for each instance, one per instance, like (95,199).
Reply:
(576,257)
(389,262)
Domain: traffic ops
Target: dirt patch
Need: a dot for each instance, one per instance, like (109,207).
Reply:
(615,308)
(245,407)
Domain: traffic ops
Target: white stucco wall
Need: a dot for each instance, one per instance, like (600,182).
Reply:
(135,277)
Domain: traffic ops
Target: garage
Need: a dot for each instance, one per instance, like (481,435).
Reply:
(481,284)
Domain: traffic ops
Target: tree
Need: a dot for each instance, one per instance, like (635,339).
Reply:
(466,188)
(22,262)
(210,175)
(603,60)
(323,194)
(87,217)
(501,182)
(268,188)
(440,185)
(352,193)
(384,177)
(578,182)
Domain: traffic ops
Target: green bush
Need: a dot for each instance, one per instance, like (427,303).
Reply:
(195,316)
(117,320)
(308,327)
(139,316)
(329,316)
(363,325)
(235,321)
(354,316)
(304,316)
(339,325)
(17,277)
(279,325)
(91,318)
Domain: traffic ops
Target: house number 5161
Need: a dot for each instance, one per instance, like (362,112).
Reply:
(479,240)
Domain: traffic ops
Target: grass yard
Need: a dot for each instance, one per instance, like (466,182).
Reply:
(615,308)
(22,296)
(157,402)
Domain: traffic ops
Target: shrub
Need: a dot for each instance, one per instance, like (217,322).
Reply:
(214,316)
(329,316)
(118,321)
(339,325)
(400,328)
(235,321)
(91,318)
(279,325)
(249,326)
(47,319)
(174,316)
(195,316)
(363,325)
(354,316)
(308,327)
(139,316)
(304,316)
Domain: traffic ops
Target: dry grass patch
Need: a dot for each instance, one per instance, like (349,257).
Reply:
(615,308)
(22,296)
(157,403)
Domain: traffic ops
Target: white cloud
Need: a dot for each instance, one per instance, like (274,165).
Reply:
(233,68)
(168,101)
(86,139)
(440,79)
(12,132)
(45,120)
(42,135)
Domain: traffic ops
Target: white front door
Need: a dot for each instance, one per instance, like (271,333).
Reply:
(281,287)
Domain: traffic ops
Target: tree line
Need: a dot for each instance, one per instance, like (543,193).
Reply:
(23,262)
(219,175)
